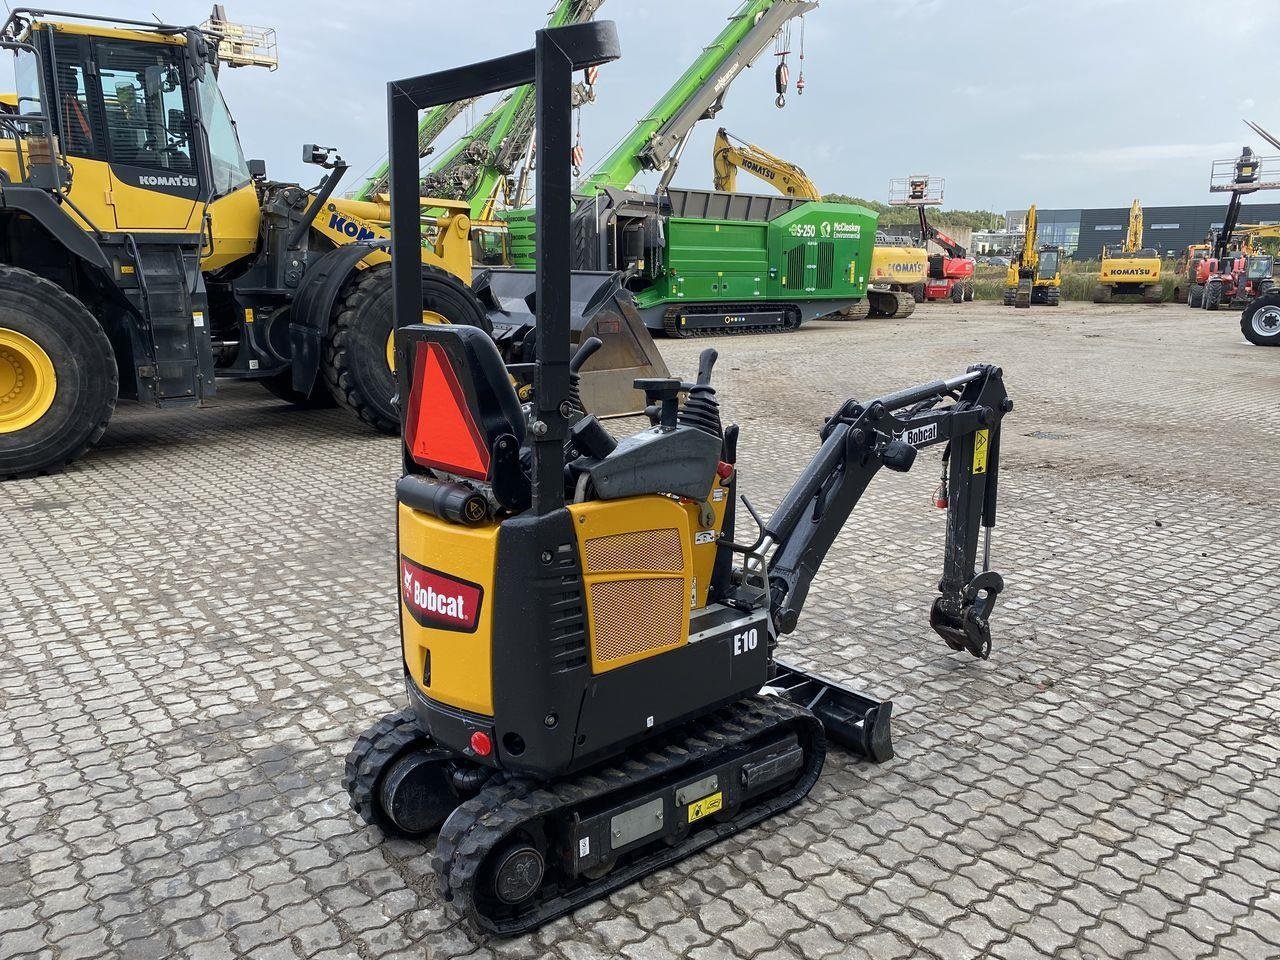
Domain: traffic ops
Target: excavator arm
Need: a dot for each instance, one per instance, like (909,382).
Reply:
(731,154)
(1133,240)
(964,413)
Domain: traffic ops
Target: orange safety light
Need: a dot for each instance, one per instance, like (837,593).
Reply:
(440,430)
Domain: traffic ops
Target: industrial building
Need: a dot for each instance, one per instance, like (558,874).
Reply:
(1082,232)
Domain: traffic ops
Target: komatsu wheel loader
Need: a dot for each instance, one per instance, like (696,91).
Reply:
(589,640)
(142,257)
(1034,275)
(1131,270)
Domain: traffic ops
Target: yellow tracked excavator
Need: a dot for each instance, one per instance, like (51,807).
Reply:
(1131,269)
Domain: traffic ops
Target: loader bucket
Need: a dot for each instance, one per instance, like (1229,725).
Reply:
(600,307)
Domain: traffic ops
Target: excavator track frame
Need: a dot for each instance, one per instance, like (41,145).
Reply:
(710,319)
(482,828)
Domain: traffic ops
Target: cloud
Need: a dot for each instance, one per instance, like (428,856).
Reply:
(1146,153)
(910,9)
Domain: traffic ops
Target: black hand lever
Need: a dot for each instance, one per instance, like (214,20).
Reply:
(706,361)
(586,350)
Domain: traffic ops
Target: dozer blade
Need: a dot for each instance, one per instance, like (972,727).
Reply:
(601,307)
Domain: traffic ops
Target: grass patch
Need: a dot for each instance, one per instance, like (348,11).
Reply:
(1078,280)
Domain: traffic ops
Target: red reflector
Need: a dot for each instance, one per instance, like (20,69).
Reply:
(441,430)
(481,745)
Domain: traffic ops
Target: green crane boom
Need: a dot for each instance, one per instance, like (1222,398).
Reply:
(656,140)
(433,123)
(474,167)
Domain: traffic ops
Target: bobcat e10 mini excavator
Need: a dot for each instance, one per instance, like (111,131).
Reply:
(588,648)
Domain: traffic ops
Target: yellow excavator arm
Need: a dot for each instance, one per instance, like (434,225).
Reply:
(1028,260)
(731,154)
(1133,241)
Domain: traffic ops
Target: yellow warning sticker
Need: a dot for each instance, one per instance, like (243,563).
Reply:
(981,440)
(706,806)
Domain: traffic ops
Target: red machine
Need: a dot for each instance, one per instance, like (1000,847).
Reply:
(950,272)
(1232,274)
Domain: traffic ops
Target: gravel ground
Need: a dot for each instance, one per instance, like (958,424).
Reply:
(199,619)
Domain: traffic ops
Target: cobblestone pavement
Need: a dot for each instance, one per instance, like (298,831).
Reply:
(199,619)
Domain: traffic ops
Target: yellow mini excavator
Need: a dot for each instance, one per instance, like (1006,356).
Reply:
(898,270)
(142,257)
(589,642)
(1131,270)
(1034,276)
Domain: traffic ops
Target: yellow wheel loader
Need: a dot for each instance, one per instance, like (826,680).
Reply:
(1130,270)
(1035,274)
(590,638)
(142,257)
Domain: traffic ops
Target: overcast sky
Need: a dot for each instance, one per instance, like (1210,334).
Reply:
(1075,103)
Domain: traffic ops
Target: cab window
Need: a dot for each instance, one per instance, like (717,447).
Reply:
(73,106)
(225,156)
(148,118)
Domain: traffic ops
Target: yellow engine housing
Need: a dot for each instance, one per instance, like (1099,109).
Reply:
(646,564)
(904,266)
(1129,269)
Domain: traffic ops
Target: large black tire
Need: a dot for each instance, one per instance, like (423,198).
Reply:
(355,366)
(969,292)
(85,383)
(917,292)
(1195,296)
(957,292)
(1260,322)
(1212,295)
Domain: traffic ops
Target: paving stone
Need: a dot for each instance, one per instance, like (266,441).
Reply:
(196,624)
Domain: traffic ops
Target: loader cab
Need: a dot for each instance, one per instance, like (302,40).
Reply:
(141,131)
(1050,259)
(1259,267)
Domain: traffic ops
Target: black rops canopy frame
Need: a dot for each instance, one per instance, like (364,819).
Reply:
(557,54)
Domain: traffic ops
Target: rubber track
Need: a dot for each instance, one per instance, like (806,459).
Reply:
(372,755)
(671,327)
(478,826)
